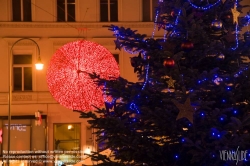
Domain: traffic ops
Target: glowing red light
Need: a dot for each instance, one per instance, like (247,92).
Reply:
(67,75)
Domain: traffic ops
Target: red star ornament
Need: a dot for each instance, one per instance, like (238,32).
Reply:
(186,109)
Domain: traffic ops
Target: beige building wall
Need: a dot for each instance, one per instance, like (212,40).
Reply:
(50,35)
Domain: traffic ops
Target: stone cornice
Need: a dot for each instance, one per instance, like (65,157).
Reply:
(12,40)
(90,25)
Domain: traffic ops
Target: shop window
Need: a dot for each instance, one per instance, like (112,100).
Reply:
(67,143)
(22,72)
(21,10)
(108,10)
(148,10)
(66,10)
(25,136)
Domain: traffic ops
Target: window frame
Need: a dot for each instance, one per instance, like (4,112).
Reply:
(30,118)
(21,11)
(109,12)
(152,11)
(22,66)
(24,48)
(71,152)
(66,15)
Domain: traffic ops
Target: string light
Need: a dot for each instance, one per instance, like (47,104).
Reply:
(236,32)
(176,22)
(203,8)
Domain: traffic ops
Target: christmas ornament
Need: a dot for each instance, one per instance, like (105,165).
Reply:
(168,62)
(187,45)
(185,110)
(216,25)
(247,36)
(110,106)
(235,14)
(171,82)
(218,80)
(221,56)
(211,53)
(117,44)
(136,63)
(68,74)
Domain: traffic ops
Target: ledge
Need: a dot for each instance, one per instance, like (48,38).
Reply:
(91,25)
(27,98)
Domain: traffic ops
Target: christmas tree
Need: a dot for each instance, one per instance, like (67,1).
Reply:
(191,105)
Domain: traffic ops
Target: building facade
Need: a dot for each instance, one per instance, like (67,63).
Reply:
(48,25)
(39,124)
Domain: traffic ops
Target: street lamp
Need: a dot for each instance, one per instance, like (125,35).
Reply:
(39,66)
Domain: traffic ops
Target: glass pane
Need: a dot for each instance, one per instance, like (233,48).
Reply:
(67,143)
(146,10)
(22,59)
(104,10)
(19,135)
(113,10)
(116,56)
(16,10)
(27,78)
(155,5)
(60,10)
(71,10)
(26,10)
(17,78)
(38,136)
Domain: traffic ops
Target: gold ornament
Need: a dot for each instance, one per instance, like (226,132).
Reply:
(186,110)
(235,14)
(171,82)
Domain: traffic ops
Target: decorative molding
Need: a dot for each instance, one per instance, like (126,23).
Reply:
(104,41)
(61,41)
(22,97)
(27,97)
(77,25)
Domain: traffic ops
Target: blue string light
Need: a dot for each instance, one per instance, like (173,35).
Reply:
(247,17)
(236,31)
(131,51)
(164,37)
(203,8)
(155,24)
(176,22)
(236,38)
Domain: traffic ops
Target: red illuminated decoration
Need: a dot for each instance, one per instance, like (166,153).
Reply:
(68,79)
(168,62)
(187,45)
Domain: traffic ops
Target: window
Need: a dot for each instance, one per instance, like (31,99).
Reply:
(21,10)
(66,10)
(24,135)
(22,72)
(148,9)
(67,143)
(108,10)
